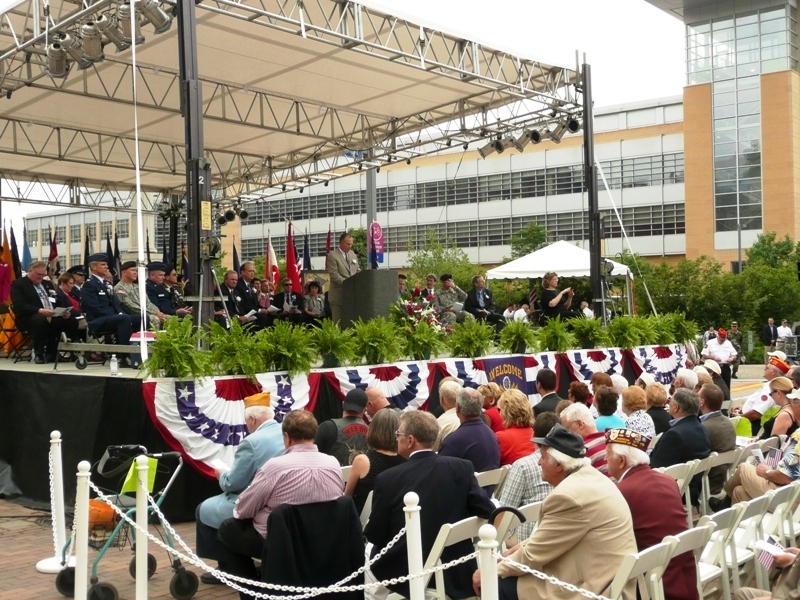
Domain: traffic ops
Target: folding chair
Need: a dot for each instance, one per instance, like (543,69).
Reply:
(367,510)
(713,564)
(346,472)
(683,473)
(703,468)
(510,521)
(770,443)
(779,522)
(495,477)
(17,343)
(692,540)
(731,459)
(647,567)
(742,557)
(653,443)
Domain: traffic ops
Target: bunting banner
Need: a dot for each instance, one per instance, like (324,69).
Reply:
(204,419)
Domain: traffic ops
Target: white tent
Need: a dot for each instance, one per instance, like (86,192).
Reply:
(564,258)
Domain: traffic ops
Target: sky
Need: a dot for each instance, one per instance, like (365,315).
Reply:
(635,50)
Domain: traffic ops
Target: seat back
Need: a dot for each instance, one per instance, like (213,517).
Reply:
(750,525)
(779,522)
(495,477)
(367,510)
(770,443)
(726,522)
(510,521)
(693,540)
(732,458)
(643,564)
(653,443)
(449,534)
(346,472)
(704,467)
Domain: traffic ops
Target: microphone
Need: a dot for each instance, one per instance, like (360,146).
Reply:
(357,253)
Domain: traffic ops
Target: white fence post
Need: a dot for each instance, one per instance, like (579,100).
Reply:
(53,563)
(487,561)
(414,544)
(82,531)
(141,522)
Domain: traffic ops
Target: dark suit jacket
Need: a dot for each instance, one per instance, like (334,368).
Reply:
(76,293)
(62,300)
(448,492)
(161,296)
(657,511)
(249,298)
(25,301)
(234,305)
(280,298)
(547,404)
(471,303)
(723,438)
(684,441)
(769,333)
(98,300)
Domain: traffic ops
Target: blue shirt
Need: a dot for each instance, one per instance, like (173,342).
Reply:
(476,442)
(609,422)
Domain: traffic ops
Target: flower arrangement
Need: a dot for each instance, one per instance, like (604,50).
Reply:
(408,314)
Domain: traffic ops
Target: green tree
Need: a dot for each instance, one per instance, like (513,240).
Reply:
(527,240)
(360,245)
(770,251)
(440,257)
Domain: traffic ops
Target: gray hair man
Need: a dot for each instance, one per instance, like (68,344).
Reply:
(473,440)
(448,421)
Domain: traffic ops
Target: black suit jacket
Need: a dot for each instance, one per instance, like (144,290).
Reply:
(232,301)
(722,437)
(63,301)
(547,404)
(249,298)
(769,333)
(25,301)
(161,296)
(684,441)
(471,303)
(279,300)
(98,300)
(448,492)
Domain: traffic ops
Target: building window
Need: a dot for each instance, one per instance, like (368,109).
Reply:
(106,229)
(123,230)
(91,232)
(75,259)
(61,235)
(33,237)
(75,233)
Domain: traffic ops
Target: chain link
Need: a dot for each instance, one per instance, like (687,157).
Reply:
(549,578)
(53,517)
(303,593)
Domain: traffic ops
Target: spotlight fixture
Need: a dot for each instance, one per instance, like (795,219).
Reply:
(465,146)
(129,36)
(500,145)
(108,27)
(573,126)
(74,49)
(326,183)
(56,60)
(8,94)
(360,166)
(283,187)
(449,143)
(301,190)
(487,149)
(378,170)
(155,14)
(221,220)
(92,42)
(567,126)
(408,161)
(229,215)
(532,136)
(243,214)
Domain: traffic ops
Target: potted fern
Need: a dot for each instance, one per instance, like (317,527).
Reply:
(291,347)
(377,341)
(175,352)
(555,336)
(336,346)
(234,351)
(470,339)
(590,333)
(516,337)
(422,340)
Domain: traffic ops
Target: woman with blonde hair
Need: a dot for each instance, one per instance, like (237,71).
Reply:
(784,421)
(515,440)
(634,403)
(491,393)
(656,396)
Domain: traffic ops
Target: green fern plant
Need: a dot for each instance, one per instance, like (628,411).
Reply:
(423,340)
(517,337)
(234,351)
(330,340)
(377,341)
(646,330)
(470,339)
(663,329)
(292,348)
(555,336)
(175,352)
(684,329)
(590,333)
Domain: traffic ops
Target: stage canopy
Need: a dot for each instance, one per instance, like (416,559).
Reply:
(566,259)
(295,93)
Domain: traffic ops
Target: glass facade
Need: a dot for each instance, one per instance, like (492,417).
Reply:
(731,53)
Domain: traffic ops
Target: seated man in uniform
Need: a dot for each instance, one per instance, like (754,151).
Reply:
(159,294)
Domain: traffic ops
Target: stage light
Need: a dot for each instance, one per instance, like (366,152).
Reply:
(301,190)
(155,14)
(92,42)
(221,220)
(326,183)
(532,136)
(283,187)
(558,132)
(408,161)
(113,33)
(487,149)
(229,215)
(243,214)
(56,60)
(500,145)
(378,170)
(573,126)
(449,143)
(360,166)
(124,16)
(465,146)
(74,49)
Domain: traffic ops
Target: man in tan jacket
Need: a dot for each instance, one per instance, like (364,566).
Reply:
(584,532)
(341,264)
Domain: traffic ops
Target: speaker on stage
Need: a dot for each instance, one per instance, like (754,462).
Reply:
(368,294)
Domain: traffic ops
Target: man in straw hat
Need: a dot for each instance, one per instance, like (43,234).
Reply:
(264,441)
(760,402)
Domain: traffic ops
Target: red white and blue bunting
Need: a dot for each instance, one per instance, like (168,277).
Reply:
(204,419)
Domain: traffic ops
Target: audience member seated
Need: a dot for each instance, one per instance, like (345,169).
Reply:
(584,530)
(524,483)
(515,439)
(562,406)
(265,297)
(784,421)
(595,381)
(634,402)
(786,585)
(655,503)
(158,293)
(546,384)
(579,392)
(685,440)
(101,308)
(376,401)
(263,442)
(444,302)
(233,302)
(721,433)
(127,292)
(173,282)
(480,303)
(78,272)
(577,419)
(34,301)
(448,421)
(606,400)
(302,475)
(714,370)
(448,490)
(644,380)
(760,402)
(341,438)
(656,401)
(289,303)
(381,455)
(248,292)
(65,299)
(684,379)
(313,304)
(491,393)
(473,440)
(556,303)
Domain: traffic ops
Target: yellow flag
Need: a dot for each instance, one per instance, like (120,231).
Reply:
(130,480)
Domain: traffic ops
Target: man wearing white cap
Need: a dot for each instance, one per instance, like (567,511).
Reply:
(721,350)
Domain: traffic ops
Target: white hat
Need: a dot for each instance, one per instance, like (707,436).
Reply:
(794,395)
(646,378)
(778,353)
(712,365)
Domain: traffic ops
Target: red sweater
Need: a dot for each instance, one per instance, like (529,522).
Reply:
(515,443)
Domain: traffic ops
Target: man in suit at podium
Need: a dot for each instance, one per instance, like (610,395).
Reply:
(342,263)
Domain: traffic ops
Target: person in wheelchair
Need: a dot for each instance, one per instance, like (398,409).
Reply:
(101,308)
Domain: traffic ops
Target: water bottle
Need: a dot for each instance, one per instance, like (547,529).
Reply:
(114,365)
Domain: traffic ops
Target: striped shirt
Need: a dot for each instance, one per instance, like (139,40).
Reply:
(303,475)
(596,451)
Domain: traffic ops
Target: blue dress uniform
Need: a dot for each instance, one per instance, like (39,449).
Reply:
(161,296)
(102,310)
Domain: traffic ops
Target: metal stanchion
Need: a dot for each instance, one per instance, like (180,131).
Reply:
(487,561)
(141,522)
(82,531)
(414,544)
(53,563)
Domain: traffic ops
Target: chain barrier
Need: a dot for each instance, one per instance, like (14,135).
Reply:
(303,593)
(71,545)
(53,518)
(549,578)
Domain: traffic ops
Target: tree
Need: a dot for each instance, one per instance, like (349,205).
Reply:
(438,258)
(770,251)
(527,240)
(360,246)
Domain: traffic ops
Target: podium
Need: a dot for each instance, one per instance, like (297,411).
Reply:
(368,294)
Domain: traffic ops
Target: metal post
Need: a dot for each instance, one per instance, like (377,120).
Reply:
(487,561)
(199,215)
(53,564)
(372,208)
(414,544)
(739,233)
(590,182)
(82,531)
(141,522)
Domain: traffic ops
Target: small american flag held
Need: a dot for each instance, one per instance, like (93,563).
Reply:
(773,458)
(765,557)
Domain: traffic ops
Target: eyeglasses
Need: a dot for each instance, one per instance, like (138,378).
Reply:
(773,391)
(398,434)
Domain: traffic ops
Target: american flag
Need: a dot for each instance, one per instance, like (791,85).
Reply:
(533,297)
(767,559)
(773,458)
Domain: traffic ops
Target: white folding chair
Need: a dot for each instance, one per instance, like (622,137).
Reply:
(779,521)
(694,541)
(770,443)
(682,473)
(647,567)
(495,477)
(704,467)
(741,555)
(510,521)
(367,510)
(713,564)
(653,443)
(346,472)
